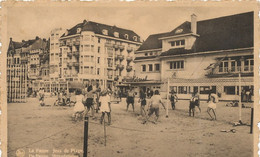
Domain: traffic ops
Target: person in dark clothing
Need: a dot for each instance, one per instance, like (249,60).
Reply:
(130,99)
(173,99)
(143,102)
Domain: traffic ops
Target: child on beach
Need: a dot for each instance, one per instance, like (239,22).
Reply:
(105,106)
(212,100)
(79,106)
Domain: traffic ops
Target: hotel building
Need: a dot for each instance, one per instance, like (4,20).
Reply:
(198,56)
(97,52)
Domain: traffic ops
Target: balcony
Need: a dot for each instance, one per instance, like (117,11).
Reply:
(69,44)
(231,72)
(76,64)
(69,54)
(116,46)
(120,66)
(129,49)
(109,76)
(129,58)
(129,68)
(108,44)
(120,57)
(76,42)
(62,44)
(76,53)
(121,47)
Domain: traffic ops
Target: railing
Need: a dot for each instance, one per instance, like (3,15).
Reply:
(129,58)
(116,46)
(121,47)
(129,49)
(75,53)
(120,57)
(76,43)
(69,54)
(108,44)
(129,68)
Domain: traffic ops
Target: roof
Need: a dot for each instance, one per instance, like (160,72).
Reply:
(223,33)
(153,42)
(98,28)
(177,51)
(145,57)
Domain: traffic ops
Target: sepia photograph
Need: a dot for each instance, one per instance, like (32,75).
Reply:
(130,80)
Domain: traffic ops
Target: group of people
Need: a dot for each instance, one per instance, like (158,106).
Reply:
(91,99)
(155,100)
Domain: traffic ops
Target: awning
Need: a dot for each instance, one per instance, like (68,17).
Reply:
(144,82)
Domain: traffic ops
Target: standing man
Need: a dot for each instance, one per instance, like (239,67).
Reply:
(130,99)
(173,99)
(154,104)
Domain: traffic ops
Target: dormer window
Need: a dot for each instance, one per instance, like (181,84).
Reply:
(126,36)
(178,43)
(78,30)
(179,31)
(105,32)
(135,38)
(116,34)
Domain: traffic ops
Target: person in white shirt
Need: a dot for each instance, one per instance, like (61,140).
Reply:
(105,107)
(212,100)
(154,104)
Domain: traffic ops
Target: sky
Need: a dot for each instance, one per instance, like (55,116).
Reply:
(25,23)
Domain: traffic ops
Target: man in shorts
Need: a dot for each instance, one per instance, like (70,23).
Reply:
(154,104)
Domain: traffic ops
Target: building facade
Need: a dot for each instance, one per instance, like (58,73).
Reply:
(95,52)
(200,56)
(55,56)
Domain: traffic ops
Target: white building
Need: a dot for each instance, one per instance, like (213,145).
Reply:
(97,52)
(200,56)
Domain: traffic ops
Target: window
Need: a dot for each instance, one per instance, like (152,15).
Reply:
(230,90)
(98,71)
(78,30)
(92,58)
(182,90)
(177,65)
(98,40)
(135,38)
(98,60)
(86,58)
(116,34)
(249,65)
(126,36)
(151,53)
(92,48)
(150,67)
(99,49)
(157,67)
(204,89)
(86,48)
(105,32)
(146,54)
(143,68)
(223,67)
(178,43)
(86,70)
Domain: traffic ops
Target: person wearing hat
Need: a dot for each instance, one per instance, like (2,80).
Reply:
(173,99)
(105,106)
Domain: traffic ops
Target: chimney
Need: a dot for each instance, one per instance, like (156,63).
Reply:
(11,39)
(23,41)
(37,38)
(194,24)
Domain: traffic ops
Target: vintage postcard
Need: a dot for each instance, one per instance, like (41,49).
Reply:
(129,79)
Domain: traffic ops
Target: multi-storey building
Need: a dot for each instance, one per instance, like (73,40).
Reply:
(97,52)
(38,63)
(199,56)
(17,70)
(55,56)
